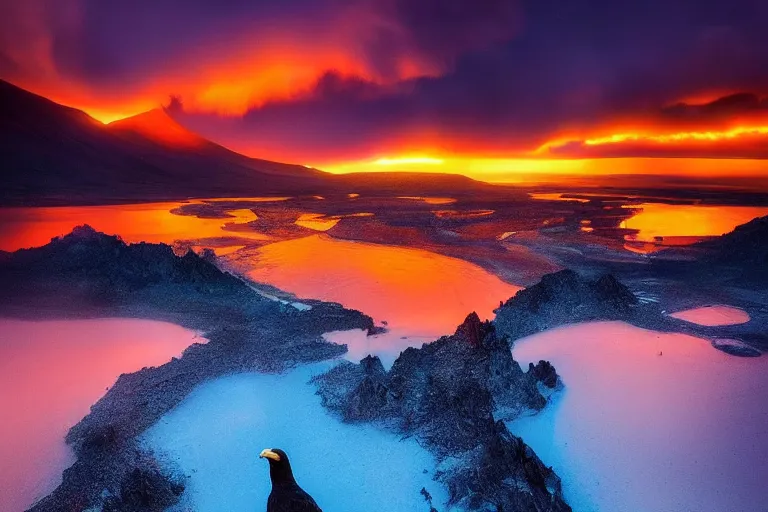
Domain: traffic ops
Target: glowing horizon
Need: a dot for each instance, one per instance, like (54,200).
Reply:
(710,136)
(520,170)
(407,160)
(577,155)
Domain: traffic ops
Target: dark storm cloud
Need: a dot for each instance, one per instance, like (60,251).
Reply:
(492,75)
(738,104)
(574,65)
(123,40)
(116,41)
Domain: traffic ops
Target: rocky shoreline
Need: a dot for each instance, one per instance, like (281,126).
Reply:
(449,394)
(91,274)
(453,394)
(566,297)
(456,393)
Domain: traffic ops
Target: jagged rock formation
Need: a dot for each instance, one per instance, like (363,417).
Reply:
(91,274)
(746,247)
(561,298)
(87,273)
(545,373)
(144,487)
(446,393)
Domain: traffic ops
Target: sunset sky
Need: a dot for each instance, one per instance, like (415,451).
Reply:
(539,85)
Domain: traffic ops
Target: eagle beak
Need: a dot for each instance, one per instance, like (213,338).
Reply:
(269,454)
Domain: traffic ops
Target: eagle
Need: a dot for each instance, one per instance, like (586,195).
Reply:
(286,495)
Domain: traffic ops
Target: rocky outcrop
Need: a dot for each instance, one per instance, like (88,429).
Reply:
(145,489)
(447,393)
(746,247)
(87,273)
(561,298)
(545,373)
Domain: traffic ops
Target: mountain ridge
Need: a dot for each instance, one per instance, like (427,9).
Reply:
(54,154)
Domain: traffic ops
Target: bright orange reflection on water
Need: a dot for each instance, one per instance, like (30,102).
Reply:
(415,291)
(459,214)
(665,220)
(546,196)
(51,373)
(152,222)
(316,221)
(430,200)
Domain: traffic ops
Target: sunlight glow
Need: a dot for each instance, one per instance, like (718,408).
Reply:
(708,136)
(409,160)
(532,170)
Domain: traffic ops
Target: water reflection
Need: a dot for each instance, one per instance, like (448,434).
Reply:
(316,221)
(51,373)
(215,443)
(655,221)
(651,421)
(546,196)
(150,222)
(322,222)
(461,214)
(713,315)
(421,295)
(430,200)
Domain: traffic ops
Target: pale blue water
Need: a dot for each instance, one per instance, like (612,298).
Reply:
(216,434)
(651,422)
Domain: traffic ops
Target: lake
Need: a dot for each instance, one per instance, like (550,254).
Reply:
(22,228)
(633,430)
(419,294)
(650,421)
(345,468)
(51,373)
(687,220)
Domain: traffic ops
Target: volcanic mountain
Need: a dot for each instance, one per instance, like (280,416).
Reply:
(53,154)
(56,155)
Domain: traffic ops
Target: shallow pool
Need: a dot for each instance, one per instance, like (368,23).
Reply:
(52,372)
(651,421)
(215,435)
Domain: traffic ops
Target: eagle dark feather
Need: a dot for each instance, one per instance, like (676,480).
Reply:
(286,495)
(291,499)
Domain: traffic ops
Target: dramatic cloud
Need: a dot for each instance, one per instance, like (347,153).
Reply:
(227,56)
(323,81)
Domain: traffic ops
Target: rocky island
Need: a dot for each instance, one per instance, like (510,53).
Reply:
(455,394)
(449,394)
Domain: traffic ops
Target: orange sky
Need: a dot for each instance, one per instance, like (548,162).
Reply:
(523,166)
(487,89)
(231,86)
(522,170)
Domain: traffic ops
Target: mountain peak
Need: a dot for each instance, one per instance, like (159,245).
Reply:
(157,126)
